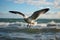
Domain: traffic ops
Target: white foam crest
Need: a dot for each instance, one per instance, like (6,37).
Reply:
(12,24)
(22,25)
(4,23)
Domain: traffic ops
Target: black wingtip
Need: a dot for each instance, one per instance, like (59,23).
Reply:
(46,9)
(11,11)
(15,12)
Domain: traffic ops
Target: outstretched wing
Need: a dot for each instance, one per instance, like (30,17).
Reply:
(37,13)
(16,12)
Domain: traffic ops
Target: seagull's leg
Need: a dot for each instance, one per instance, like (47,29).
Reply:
(28,26)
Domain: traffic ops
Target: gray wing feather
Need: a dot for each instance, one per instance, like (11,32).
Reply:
(16,12)
(37,13)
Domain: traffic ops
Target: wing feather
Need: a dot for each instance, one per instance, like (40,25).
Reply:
(16,12)
(37,13)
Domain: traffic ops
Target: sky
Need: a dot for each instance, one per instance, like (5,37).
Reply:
(28,7)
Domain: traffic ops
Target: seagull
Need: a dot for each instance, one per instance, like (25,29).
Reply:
(31,19)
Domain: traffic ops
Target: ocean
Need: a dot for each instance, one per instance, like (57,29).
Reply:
(16,29)
(21,20)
